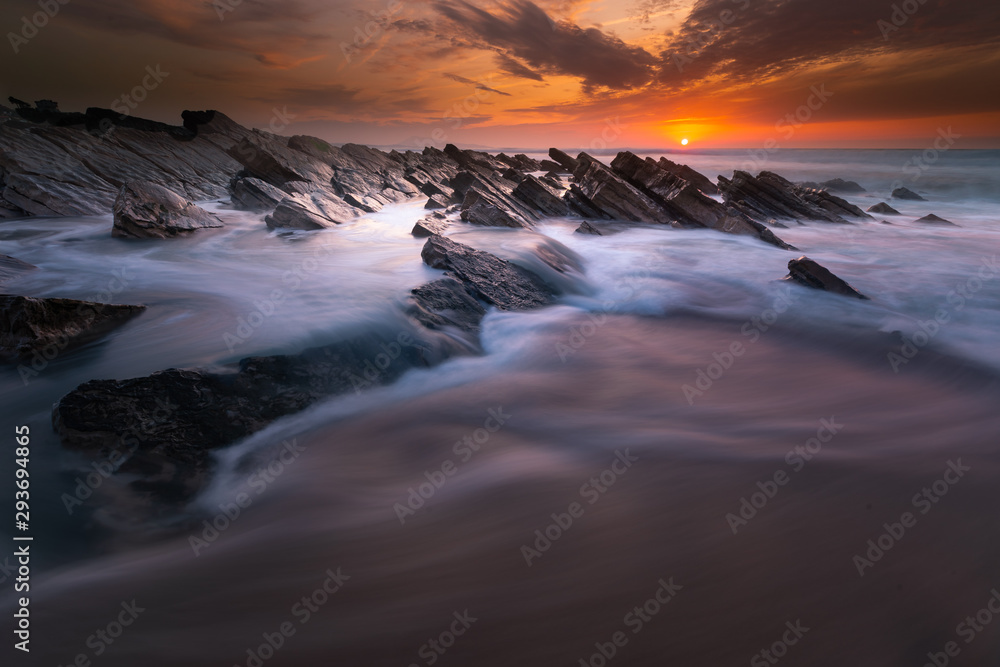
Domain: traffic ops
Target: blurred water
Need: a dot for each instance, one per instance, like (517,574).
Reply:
(602,372)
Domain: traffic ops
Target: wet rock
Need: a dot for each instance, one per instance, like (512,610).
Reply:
(552,167)
(809,273)
(253,194)
(883,209)
(145,210)
(436,201)
(563,160)
(934,220)
(768,195)
(299,213)
(906,193)
(587,228)
(11,267)
(696,178)
(430,225)
(495,281)
(30,325)
(837,185)
(540,197)
(446,303)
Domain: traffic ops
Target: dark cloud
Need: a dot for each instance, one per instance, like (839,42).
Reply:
(507,64)
(475,84)
(522,30)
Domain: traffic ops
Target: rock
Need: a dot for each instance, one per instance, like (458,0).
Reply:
(513,175)
(811,274)
(613,196)
(934,220)
(552,167)
(446,303)
(253,194)
(520,162)
(166,425)
(840,185)
(906,193)
(563,160)
(430,225)
(697,179)
(299,213)
(11,267)
(883,209)
(436,201)
(30,325)
(770,196)
(540,197)
(145,210)
(495,281)
(587,228)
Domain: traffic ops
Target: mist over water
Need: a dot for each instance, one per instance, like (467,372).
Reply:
(598,377)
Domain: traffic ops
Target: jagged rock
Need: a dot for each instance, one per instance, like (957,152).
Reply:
(446,303)
(540,197)
(587,228)
(771,196)
(436,201)
(513,175)
(30,325)
(11,267)
(809,273)
(906,193)
(552,167)
(489,200)
(613,196)
(697,179)
(429,225)
(883,209)
(299,213)
(835,185)
(519,162)
(145,210)
(366,204)
(253,194)
(563,160)
(934,220)
(167,424)
(495,281)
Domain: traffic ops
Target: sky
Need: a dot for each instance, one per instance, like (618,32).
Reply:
(571,73)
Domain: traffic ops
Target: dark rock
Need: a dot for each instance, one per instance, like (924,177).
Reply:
(299,213)
(253,194)
(552,167)
(770,196)
(613,196)
(430,225)
(29,325)
(513,175)
(934,220)
(435,202)
(883,209)
(563,160)
(587,228)
(11,267)
(697,179)
(811,274)
(906,193)
(446,303)
(493,280)
(840,185)
(540,197)
(519,162)
(147,210)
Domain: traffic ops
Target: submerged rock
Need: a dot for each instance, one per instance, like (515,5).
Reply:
(299,213)
(587,228)
(768,195)
(906,193)
(809,273)
(29,325)
(882,208)
(145,210)
(837,185)
(429,225)
(495,281)
(932,219)
(695,178)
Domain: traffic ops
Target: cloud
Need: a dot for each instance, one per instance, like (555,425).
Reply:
(476,84)
(522,31)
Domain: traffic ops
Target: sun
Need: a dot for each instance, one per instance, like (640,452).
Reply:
(684,142)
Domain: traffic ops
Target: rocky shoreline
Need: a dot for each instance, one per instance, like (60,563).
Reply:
(149,174)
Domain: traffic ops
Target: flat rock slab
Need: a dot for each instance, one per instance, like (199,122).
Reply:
(147,210)
(31,326)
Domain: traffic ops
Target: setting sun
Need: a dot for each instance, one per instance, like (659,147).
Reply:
(684,142)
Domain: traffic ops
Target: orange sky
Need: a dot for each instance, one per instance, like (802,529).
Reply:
(573,73)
